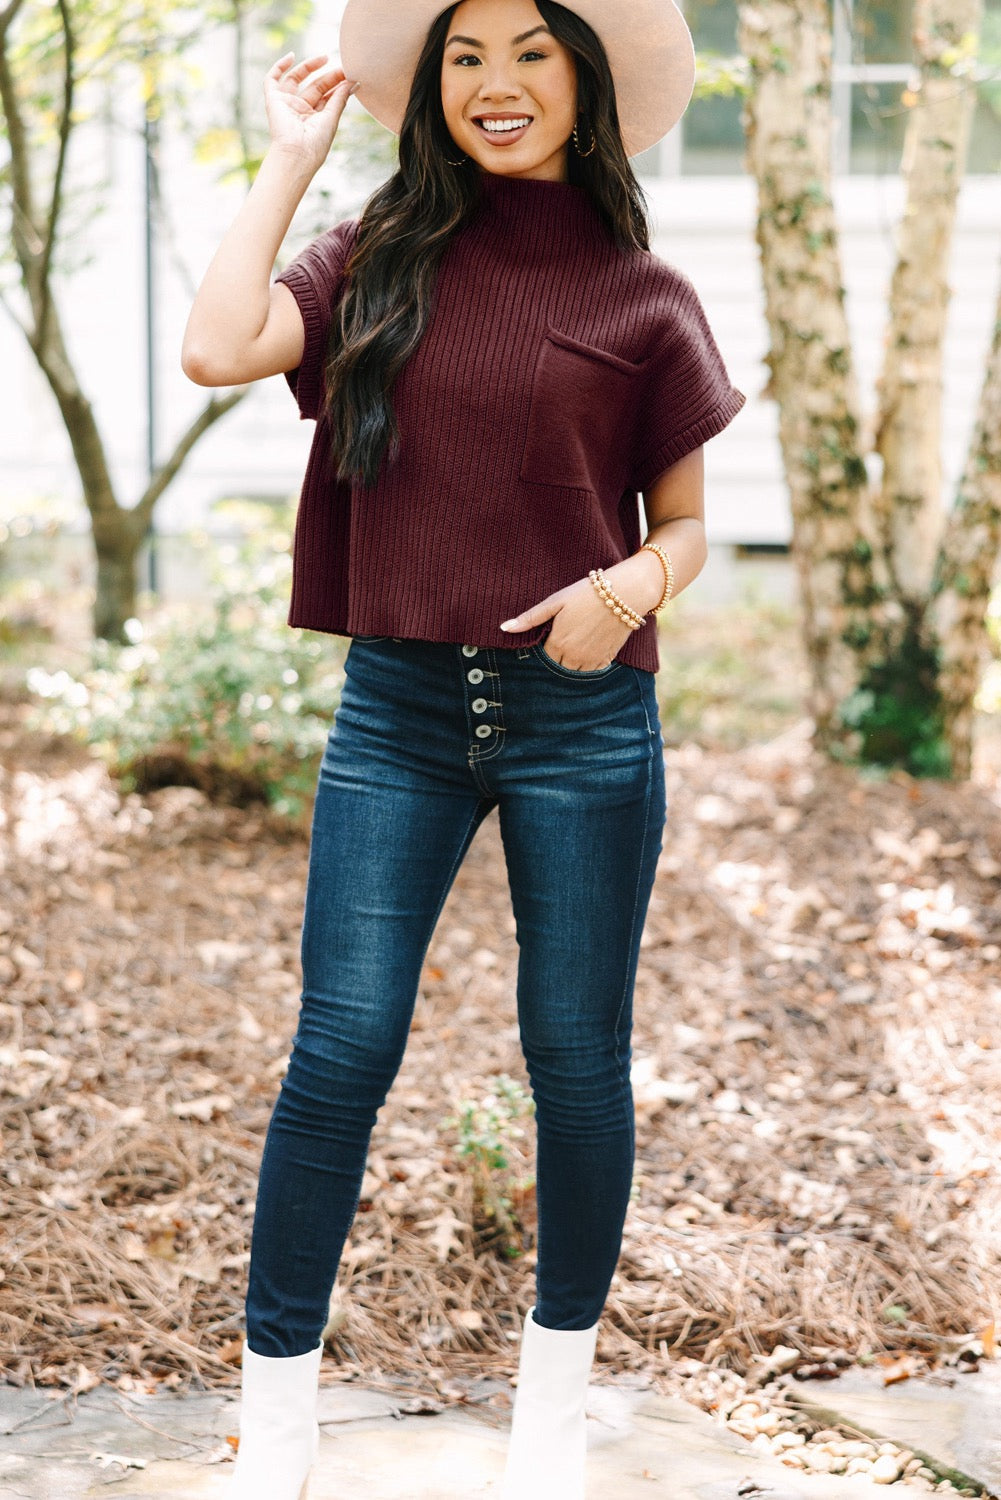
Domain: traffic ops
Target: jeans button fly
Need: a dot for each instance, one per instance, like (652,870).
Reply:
(482,731)
(475,676)
(479,705)
(470,650)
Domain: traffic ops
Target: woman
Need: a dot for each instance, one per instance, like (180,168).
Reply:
(497,366)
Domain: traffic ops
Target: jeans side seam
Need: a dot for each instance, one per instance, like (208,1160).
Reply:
(630,978)
(646,712)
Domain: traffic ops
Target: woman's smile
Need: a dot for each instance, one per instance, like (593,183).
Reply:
(503,130)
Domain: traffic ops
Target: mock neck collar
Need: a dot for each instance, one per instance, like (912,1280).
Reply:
(553,209)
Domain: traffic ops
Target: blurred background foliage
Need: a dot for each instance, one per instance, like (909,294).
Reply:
(221,695)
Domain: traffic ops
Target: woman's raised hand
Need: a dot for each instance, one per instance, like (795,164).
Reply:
(304,106)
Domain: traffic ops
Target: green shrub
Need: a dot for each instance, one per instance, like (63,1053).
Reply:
(226,698)
(899,712)
(486,1131)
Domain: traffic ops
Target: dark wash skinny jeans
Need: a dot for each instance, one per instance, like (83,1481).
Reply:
(427,739)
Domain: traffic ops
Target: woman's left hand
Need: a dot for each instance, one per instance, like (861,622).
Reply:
(586,635)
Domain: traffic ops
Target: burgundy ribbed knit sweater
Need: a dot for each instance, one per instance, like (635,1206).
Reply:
(558,377)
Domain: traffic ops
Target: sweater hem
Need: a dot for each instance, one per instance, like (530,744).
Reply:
(643,654)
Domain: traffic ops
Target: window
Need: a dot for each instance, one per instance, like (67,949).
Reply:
(872,68)
(985,142)
(712,136)
(881,31)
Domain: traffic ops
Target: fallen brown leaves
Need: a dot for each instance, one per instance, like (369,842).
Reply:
(817,1050)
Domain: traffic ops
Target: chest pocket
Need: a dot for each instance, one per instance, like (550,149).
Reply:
(581,416)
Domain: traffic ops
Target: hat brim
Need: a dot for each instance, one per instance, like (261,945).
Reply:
(649,47)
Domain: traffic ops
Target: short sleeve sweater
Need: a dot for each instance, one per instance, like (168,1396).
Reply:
(557,377)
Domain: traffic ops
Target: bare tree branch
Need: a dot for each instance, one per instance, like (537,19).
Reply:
(165,218)
(8,309)
(55,203)
(239,112)
(8,13)
(24,229)
(210,414)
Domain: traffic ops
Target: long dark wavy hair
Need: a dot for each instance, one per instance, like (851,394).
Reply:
(406,226)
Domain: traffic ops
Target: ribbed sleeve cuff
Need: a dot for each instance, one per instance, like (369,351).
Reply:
(692,437)
(306,383)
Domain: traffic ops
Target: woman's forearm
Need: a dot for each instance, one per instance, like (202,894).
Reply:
(639,579)
(231,306)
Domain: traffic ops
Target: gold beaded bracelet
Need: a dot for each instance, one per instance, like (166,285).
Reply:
(618,606)
(668,567)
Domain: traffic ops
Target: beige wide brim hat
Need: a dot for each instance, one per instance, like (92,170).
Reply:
(649,47)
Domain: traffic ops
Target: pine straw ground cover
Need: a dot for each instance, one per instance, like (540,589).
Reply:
(817,1059)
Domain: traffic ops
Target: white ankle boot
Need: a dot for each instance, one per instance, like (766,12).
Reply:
(279,1433)
(547,1451)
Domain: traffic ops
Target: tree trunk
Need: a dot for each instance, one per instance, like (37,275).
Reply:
(908,428)
(117,532)
(116,546)
(967,566)
(842,581)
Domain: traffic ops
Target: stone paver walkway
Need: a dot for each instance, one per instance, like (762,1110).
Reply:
(952,1417)
(640,1445)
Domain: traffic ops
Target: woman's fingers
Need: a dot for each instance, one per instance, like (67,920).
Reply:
(279,67)
(307,65)
(332,93)
(304,103)
(292,77)
(317,87)
(337,97)
(297,75)
(538,614)
(323,82)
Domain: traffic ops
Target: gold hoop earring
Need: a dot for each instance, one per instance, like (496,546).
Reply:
(577,143)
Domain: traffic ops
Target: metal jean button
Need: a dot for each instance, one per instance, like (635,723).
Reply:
(482,731)
(479,705)
(470,650)
(476,675)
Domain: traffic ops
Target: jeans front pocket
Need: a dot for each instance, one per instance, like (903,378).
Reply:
(368,640)
(560,670)
(581,416)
